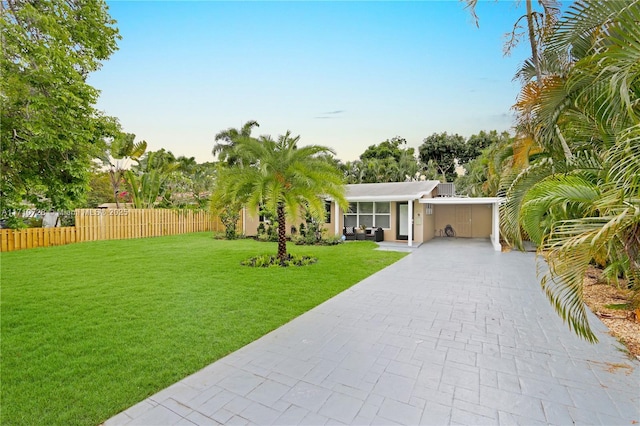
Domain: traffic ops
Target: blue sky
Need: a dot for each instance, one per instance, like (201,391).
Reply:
(341,74)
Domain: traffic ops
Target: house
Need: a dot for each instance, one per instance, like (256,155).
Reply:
(415,212)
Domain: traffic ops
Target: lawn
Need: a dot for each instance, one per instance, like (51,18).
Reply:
(90,329)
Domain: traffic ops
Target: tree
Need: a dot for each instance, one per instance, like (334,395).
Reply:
(224,202)
(389,161)
(584,207)
(227,139)
(118,156)
(539,24)
(147,180)
(390,148)
(50,129)
(190,185)
(443,150)
(284,178)
(100,190)
(493,153)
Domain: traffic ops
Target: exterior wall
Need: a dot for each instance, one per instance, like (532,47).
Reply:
(331,225)
(418,222)
(252,222)
(390,234)
(481,215)
(429,223)
(443,215)
(467,220)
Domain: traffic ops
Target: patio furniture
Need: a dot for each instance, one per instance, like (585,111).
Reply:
(349,232)
(374,234)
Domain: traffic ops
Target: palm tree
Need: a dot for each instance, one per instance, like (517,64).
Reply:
(284,178)
(117,157)
(539,24)
(589,203)
(147,181)
(227,139)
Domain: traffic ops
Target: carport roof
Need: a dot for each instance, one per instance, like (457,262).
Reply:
(391,191)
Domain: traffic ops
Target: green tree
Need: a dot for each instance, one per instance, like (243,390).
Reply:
(191,184)
(224,202)
(118,156)
(442,150)
(50,129)
(284,178)
(147,180)
(227,139)
(353,172)
(393,147)
(493,154)
(388,161)
(585,207)
(100,190)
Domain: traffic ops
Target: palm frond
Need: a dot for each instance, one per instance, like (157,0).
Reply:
(518,185)
(556,198)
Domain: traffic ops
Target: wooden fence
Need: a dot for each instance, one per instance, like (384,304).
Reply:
(112,224)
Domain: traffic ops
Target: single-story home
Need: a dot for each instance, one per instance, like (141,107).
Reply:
(411,212)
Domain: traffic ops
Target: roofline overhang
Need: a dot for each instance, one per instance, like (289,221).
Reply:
(387,198)
(463,200)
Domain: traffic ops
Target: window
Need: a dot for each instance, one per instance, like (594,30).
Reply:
(369,214)
(327,207)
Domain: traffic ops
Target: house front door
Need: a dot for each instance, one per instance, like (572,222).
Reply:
(402,221)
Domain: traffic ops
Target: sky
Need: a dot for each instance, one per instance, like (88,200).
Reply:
(345,75)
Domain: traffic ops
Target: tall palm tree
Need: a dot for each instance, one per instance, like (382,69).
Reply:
(284,178)
(227,139)
(538,26)
(589,204)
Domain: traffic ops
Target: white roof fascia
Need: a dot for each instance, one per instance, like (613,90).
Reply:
(384,198)
(462,200)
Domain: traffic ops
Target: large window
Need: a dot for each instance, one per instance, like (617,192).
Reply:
(369,214)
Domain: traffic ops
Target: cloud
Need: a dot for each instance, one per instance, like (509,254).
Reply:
(329,114)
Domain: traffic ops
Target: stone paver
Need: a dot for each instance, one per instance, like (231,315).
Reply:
(454,333)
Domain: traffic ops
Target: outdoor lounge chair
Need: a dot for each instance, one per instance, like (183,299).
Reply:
(349,232)
(376,234)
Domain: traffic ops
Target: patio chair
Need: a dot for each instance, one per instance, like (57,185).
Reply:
(375,234)
(349,232)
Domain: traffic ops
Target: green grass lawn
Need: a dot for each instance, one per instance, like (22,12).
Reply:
(90,329)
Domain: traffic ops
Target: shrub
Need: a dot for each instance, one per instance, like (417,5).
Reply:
(267,261)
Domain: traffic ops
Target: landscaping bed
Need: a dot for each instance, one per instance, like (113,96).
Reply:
(612,305)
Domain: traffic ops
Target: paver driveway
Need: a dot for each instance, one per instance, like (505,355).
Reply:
(454,333)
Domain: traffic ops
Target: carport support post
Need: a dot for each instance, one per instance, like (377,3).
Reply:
(495,227)
(410,222)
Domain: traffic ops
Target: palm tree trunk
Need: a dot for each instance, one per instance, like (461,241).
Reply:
(282,238)
(114,186)
(532,41)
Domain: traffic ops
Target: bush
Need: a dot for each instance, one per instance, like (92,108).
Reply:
(311,240)
(267,261)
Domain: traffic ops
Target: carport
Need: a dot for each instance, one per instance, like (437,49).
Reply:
(459,210)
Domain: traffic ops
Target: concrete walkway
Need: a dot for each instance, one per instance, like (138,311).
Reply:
(454,333)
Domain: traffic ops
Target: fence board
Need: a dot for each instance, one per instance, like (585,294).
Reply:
(112,224)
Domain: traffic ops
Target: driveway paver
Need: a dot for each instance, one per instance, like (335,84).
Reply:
(454,333)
